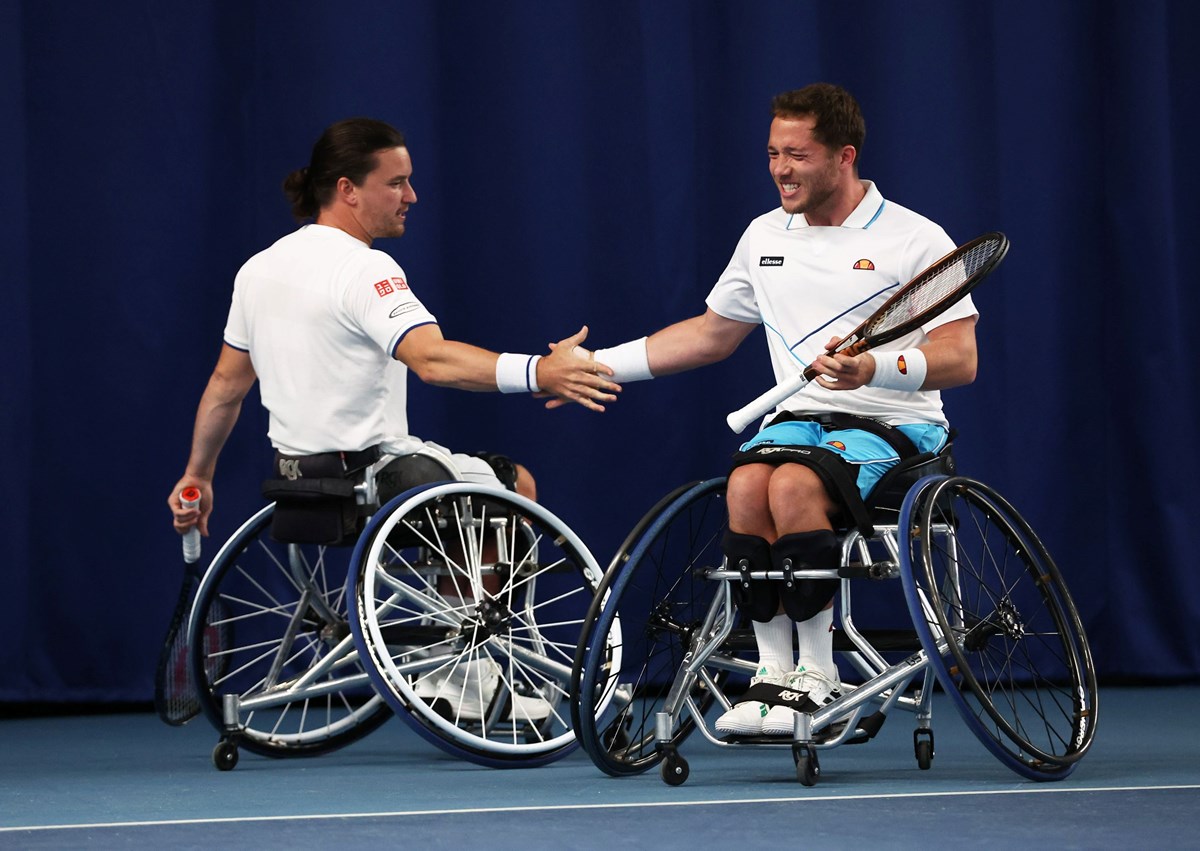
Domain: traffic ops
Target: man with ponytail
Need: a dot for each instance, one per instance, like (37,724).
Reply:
(329,327)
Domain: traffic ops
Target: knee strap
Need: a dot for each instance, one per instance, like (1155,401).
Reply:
(803,598)
(757,598)
(838,476)
(408,471)
(504,467)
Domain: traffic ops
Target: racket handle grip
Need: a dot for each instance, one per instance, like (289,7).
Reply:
(190,498)
(742,417)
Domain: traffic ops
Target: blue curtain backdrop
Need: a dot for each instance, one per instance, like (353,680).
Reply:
(583,162)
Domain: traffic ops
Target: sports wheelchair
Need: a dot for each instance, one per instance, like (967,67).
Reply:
(458,607)
(992,622)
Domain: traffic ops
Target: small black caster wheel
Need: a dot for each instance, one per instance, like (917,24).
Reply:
(923,747)
(674,770)
(225,755)
(808,767)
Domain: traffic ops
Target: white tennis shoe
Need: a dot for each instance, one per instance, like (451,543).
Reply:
(467,690)
(780,720)
(746,718)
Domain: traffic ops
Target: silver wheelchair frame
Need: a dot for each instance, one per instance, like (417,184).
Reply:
(318,665)
(993,626)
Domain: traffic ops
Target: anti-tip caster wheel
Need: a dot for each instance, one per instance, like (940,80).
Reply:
(674,770)
(923,747)
(808,767)
(225,755)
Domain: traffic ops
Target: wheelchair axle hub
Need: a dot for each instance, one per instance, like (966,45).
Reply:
(491,618)
(1011,622)
(1006,621)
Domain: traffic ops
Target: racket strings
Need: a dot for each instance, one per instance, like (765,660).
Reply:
(938,284)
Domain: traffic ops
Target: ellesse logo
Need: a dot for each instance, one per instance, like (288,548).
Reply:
(864,264)
(770,261)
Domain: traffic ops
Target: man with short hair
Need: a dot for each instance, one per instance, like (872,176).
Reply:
(811,269)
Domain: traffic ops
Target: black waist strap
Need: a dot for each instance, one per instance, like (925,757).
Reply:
(891,435)
(325,464)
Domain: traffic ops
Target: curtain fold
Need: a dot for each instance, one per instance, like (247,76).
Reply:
(584,163)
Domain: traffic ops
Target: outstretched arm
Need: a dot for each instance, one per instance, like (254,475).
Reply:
(563,373)
(694,342)
(216,415)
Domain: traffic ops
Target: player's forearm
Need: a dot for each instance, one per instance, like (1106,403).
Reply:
(951,355)
(449,363)
(695,342)
(949,365)
(215,420)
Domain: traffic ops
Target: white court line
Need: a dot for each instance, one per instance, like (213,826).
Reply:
(1041,790)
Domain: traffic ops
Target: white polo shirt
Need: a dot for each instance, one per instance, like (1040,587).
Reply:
(321,314)
(806,284)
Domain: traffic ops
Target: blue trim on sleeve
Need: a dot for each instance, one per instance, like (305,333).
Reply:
(238,348)
(400,339)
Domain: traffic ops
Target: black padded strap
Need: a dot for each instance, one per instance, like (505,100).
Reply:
(773,695)
(503,466)
(308,489)
(324,464)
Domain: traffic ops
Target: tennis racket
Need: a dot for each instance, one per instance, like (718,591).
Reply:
(175,697)
(929,294)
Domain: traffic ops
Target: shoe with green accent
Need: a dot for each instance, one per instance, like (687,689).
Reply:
(821,690)
(746,718)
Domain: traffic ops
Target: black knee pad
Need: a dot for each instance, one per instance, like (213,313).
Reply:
(408,471)
(813,550)
(758,598)
(503,466)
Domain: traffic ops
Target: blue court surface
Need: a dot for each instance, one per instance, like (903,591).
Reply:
(128,781)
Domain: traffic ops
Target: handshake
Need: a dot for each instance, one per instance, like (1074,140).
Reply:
(571,373)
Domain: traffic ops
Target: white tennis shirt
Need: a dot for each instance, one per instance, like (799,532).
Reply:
(806,284)
(321,314)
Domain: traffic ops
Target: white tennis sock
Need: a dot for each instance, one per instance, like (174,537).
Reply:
(774,640)
(815,637)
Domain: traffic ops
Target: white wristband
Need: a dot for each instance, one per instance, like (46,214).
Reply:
(517,373)
(629,361)
(903,370)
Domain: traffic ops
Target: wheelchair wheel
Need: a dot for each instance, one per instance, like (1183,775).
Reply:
(1001,630)
(467,604)
(269,625)
(642,623)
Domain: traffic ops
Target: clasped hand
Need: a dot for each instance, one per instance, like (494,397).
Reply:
(570,374)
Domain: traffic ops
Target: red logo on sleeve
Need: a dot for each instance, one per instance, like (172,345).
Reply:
(384,288)
(901,365)
(399,283)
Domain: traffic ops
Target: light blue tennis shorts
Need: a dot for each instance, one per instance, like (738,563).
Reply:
(870,454)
